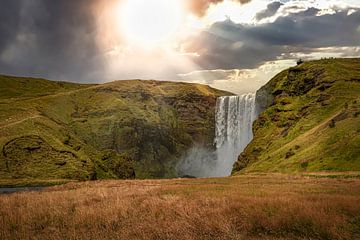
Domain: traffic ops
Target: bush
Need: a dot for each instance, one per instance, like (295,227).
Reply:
(299,62)
(289,154)
(332,123)
(304,164)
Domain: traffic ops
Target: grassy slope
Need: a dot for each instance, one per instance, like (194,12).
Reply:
(55,130)
(245,207)
(314,123)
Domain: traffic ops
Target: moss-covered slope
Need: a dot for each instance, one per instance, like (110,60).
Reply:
(123,129)
(311,120)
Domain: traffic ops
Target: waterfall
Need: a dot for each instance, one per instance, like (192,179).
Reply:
(233,129)
(233,132)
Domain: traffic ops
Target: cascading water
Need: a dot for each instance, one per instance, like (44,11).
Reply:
(233,132)
(233,129)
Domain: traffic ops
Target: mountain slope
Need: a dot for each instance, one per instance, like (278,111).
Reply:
(310,120)
(123,129)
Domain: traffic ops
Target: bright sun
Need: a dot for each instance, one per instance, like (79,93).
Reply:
(150,22)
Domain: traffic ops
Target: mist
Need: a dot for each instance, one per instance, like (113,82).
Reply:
(233,132)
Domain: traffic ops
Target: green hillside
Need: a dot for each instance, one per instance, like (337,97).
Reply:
(123,129)
(55,130)
(311,120)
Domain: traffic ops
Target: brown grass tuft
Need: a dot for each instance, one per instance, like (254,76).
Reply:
(243,207)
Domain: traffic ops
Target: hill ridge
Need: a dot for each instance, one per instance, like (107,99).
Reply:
(309,120)
(115,130)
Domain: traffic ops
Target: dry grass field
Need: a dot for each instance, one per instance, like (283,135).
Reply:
(242,207)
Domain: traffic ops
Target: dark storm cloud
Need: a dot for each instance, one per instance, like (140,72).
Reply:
(54,39)
(270,11)
(57,39)
(228,45)
(9,19)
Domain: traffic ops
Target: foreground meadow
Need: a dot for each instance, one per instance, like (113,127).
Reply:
(241,207)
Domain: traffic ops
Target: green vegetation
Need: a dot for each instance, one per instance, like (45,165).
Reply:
(311,120)
(57,131)
(125,129)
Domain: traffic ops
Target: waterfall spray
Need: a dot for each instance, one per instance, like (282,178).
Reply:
(233,132)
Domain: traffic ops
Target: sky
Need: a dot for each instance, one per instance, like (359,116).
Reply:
(235,45)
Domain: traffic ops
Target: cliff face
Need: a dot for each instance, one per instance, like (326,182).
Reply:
(309,121)
(264,98)
(124,129)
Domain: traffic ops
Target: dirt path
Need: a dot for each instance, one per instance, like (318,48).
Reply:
(19,121)
(310,134)
(12,123)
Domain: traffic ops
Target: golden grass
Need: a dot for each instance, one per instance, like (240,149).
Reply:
(242,207)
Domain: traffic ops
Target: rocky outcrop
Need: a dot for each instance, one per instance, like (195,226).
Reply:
(264,98)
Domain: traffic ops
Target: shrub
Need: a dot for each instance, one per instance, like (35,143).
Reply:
(299,62)
(332,123)
(289,154)
(304,164)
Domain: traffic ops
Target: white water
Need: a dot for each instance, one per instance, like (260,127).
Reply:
(233,129)
(233,132)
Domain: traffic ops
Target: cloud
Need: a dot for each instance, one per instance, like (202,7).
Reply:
(59,39)
(62,40)
(239,81)
(210,76)
(199,7)
(270,11)
(296,32)
(9,19)
(54,39)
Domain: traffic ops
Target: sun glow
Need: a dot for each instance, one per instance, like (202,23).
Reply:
(150,23)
